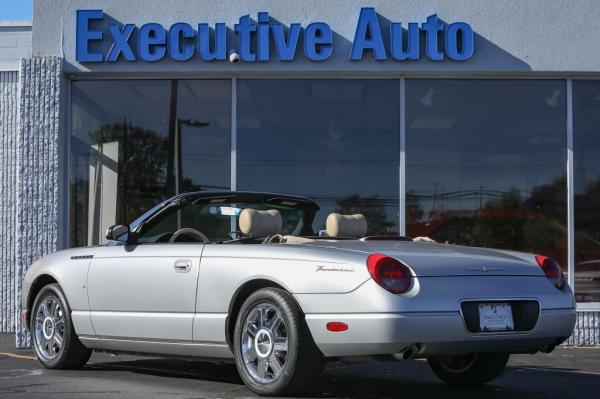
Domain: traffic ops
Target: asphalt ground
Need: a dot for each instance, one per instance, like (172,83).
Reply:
(565,373)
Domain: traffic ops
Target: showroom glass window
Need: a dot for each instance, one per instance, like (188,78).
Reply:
(333,140)
(126,139)
(486,162)
(586,143)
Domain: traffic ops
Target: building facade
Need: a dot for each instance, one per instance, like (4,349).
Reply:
(471,122)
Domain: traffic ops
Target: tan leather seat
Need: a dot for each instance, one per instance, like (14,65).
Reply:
(346,225)
(256,223)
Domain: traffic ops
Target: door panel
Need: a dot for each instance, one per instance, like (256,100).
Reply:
(145,291)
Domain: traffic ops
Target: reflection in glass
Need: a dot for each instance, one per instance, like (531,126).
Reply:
(335,141)
(485,163)
(124,157)
(586,142)
(204,119)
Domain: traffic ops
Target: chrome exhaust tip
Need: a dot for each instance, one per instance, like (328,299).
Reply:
(409,353)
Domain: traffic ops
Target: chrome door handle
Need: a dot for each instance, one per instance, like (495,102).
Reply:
(183,265)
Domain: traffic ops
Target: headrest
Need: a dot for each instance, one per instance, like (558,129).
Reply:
(346,225)
(260,223)
(423,239)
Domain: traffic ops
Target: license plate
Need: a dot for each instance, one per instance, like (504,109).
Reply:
(495,317)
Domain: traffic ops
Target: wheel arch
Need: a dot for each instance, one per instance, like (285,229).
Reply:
(36,286)
(239,296)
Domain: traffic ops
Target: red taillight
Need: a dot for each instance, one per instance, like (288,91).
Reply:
(337,326)
(551,269)
(389,273)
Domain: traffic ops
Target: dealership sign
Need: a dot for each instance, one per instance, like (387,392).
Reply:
(99,40)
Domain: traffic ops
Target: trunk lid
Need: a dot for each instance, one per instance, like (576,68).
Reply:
(434,260)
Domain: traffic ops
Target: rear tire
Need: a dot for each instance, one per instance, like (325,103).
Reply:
(54,339)
(474,369)
(274,350)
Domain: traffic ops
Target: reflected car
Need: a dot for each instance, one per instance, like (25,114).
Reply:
(242,276)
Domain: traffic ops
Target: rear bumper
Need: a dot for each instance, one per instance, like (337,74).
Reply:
(438,333)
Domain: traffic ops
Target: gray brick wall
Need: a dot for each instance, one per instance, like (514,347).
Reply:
(9,103)
(15,43)
(39,149)
(587,329)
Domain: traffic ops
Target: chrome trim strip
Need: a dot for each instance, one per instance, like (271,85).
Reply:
(156,347)
(151,341)
(128,313)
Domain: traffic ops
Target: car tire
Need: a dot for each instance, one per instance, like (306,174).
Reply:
(54,340)
(474,369)
(274,350)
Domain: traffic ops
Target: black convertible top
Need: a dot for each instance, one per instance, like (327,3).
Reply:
(245,196)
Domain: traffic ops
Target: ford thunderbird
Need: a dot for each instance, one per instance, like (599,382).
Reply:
(243,276)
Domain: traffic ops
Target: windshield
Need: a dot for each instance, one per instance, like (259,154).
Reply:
(218,219)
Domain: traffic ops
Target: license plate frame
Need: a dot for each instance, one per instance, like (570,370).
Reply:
(495,317)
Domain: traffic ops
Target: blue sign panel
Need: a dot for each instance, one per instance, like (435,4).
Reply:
(101,41)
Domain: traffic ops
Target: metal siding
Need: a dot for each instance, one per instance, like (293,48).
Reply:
(38,177)
(8,136)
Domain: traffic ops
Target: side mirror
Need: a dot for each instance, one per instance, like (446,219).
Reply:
(118,232)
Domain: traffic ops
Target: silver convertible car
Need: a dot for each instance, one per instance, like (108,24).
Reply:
(242,276)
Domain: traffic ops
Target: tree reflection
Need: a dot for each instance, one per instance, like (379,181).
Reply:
(587,204)
(372,207)
(535,224)
(587,243)
(142,168)
(414,212)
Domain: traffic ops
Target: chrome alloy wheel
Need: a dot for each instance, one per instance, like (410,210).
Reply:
(264,343)
(49,328)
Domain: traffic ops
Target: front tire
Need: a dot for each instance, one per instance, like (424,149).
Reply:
(274,351)
(54,340)
(474,369)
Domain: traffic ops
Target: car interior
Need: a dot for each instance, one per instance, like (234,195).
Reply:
(247,223)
